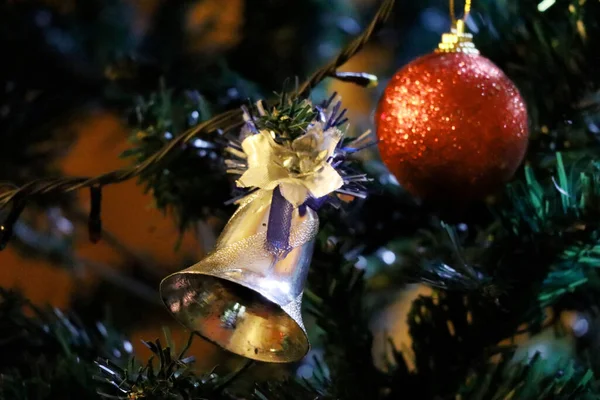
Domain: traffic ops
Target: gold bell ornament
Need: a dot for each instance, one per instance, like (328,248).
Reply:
(246,295)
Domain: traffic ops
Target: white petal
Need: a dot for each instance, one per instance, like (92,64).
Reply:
(325,181)
(315,140)
(309,142)
(258,150)
(263,176)
(332,137)
(253,177)
(294,191)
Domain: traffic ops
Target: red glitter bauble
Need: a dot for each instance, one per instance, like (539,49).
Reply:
(451,126)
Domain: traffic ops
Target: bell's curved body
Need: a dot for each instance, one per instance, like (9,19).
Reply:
(243,297)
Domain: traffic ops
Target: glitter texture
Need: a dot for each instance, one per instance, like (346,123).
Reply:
(451,126)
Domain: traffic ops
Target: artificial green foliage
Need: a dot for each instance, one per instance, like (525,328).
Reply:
(542,253)
(166,375)
(199,190)
(335,299)
(289,118)
(564,215)
(515,379)
(549,225)
(500,268)
(49,355)
(460,328)
(551,54)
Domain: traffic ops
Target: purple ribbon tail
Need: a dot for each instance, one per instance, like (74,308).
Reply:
(279,226)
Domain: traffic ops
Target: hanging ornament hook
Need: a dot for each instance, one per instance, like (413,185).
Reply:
(458,41)
(466,11)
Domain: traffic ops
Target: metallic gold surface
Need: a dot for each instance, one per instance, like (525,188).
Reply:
(457,41)
(451,126)
(240,296)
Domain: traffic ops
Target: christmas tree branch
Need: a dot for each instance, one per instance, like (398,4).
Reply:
(535,379)
(336,300)
(50,355)
(47,354)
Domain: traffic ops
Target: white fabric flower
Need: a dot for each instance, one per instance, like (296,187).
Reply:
(300,168)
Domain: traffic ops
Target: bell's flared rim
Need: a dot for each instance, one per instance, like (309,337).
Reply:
(218,322)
